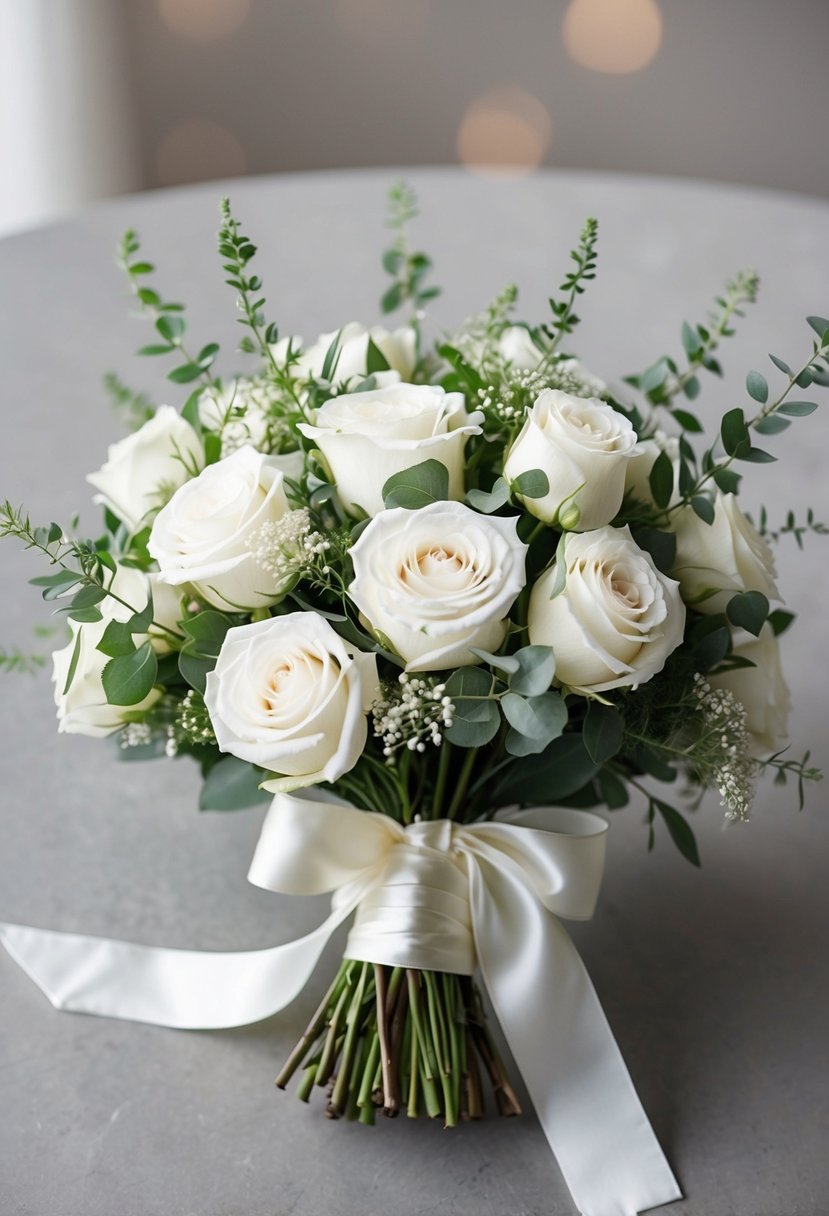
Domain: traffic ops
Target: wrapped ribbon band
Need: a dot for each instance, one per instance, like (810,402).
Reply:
(436,897)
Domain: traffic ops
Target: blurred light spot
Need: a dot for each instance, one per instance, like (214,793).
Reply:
(504,133)
(197,150)
(383,23)
(203,20)
(613,35)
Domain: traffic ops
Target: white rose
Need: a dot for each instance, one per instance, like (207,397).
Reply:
(83,708)
(437,581)
(762,690)
(617,618)
(203,536)
(288,695)
(397,347)
(367,437)
(583,445)
(716,561)
(143,470)
(638,468)
(518,349)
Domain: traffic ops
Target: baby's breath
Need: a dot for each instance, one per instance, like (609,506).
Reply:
(410,714)
(288,546)
(724,748)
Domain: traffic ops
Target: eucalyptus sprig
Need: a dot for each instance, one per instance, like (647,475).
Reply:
(664,380)
(167,317)
(406,267)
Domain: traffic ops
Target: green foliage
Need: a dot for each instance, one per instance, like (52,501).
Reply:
(129,678)
(418,486)
(565,319)
(135,408)
(232,785)
(476,717)
(205,634)
(407,268)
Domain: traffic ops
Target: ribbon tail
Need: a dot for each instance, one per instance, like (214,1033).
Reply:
(183,989)
(564,1048)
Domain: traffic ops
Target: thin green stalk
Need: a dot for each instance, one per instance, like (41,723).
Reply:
(442,777)
(462,783)
(352,1028)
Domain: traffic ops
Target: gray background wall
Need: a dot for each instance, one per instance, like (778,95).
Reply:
(737,91)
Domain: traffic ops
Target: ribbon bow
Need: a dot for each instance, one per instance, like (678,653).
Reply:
(432,896)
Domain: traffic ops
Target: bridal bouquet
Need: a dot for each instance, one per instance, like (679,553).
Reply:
(402,588)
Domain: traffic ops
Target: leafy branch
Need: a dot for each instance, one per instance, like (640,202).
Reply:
(16,661)
(135,407)
(167,317)
(406,267)
(792,768)
(565,319)
(664,379)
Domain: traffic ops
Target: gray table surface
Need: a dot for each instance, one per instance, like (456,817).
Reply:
(715,981)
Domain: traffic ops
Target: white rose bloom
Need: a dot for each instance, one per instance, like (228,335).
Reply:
(142,471)
(398,348)
(518,349)
(83,709)
(367,437)
(288,695)
(716,561)
(583,445)
(638,468)
(437,581)
(762,690)
(203,536)
(617,618)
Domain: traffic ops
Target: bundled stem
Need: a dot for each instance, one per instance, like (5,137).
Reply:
(387,1038)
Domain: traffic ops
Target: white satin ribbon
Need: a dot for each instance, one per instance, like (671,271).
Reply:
(433,896)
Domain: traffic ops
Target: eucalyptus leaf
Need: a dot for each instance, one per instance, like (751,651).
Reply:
(129,678)
(232,785)
(748,610)
(603,732)
(418,486)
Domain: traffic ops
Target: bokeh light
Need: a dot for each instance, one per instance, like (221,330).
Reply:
(505,133)
(203,20)
(198,150)
(614,36)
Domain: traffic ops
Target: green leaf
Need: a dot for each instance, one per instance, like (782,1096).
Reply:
(392,298)
(679,830)
(691,340)
(155,349)
(488,501)
(332,357)
(749,610)
(85,616)
(772,425)
(376,361)
(88,596)
(780,620)
(206,632)
(232,785)
(660,545)
(185,374)
(797,409)
(501,662)
(533,483)
(820,325)
(614,791)
(704,508)
(712,648)
(476,719)
(171,327)
(734,431)
(603,732)
(538,719)
(73,663)
(140,622)
(116,640)
(756,456)
(688,421)
(536,666)
(129,678)
(727,480)
(392,261)
(757,387)
(418,486)
(559,771)
(661,479)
